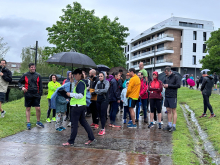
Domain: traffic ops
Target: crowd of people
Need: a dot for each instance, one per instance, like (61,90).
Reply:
(103,96)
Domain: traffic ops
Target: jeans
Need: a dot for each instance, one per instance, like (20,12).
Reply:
(126,111)
(49,109)
(95,115)
(78,115)
(113,112)
(102,110)
(144,105)
(207,104)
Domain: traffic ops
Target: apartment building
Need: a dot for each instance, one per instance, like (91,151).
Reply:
(176,42)
(14,66)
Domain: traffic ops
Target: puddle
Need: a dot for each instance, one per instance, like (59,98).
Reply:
(202,135)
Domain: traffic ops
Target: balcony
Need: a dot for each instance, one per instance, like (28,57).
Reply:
(158,63)
(163,61)
(153,40)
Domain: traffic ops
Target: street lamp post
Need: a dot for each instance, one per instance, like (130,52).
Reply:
(35,53)
(154,58)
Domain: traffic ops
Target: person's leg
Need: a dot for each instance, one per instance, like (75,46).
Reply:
(155,113)
(114,111)
(7,95)
(169,116)
(1,107)
(38,113)
(54,112)
(95,116)
(137,110)
(28,114)
(208,104)
(131,110)
(174,115)
(49,109)
(125,113)
(205,103)
(152,109)
(121,105)
(67,110)
(158,107)
(144,104)
(104,107)
(58,119)
(98,107)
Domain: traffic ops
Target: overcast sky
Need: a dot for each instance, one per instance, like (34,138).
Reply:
(23,22)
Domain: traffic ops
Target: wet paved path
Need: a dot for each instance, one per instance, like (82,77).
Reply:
(118,146)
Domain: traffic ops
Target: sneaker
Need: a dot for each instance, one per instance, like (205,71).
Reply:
(130,122)
(59,129)
(203,115)
(48,120)
(63,128)
(116,126)
(167,128)
(3,114)
(136,120)
(53,119)
(91,142)
(132,125)
(29,126)
(159,126)
(145,120)
(125,121)
(39,124)
(172,129)
(154,122)
(69,125)
(151,125)
(212,115)
(101,132)
(161,122)
(96,126)
(92,125)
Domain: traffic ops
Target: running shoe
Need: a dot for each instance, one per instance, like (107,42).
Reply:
(92,125)
(150,125)
(145,120)
(39,124)
(29,126)
(101,132)
(90,142)
(203,115)
(167,128)
(96,126)
(161,122)
(125,121)
(116,126)
(172,129)
(212,115)
(132,125)
(63,128)
(48,120)
(59,129)
(130,122)
(159,126)
(53,119)
(3,114)
(69,125)
(110,125)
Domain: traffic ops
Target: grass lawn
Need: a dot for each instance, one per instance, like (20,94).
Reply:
(15,118)
(183,145)
(195,100)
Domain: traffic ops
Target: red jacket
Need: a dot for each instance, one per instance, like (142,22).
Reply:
(143,90)
(155,87)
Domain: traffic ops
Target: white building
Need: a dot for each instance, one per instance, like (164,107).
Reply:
(176,42)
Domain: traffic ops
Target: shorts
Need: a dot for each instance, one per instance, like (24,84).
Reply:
(131,103)
(170,102)
(215,82)
(155,104)
(32,101)
(2,97)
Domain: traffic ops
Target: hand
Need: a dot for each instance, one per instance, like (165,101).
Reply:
(165,85)
(67,100)
(1,74)
(24,89)
(118,101)
(122,101)
(68,94)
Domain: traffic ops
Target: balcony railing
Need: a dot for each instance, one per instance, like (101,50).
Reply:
(149,52)
(152,62)
(152,40)
(163,61)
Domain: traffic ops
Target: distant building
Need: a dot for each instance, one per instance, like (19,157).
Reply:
(14,66)
(176,42)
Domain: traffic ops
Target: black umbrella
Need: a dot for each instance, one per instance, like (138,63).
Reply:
(73,59)
(162,76)
(103,68)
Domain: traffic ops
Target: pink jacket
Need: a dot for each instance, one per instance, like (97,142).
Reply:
(143,90)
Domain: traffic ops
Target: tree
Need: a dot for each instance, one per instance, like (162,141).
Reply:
(3,48)
(43,68)
(212,60)
(80,30)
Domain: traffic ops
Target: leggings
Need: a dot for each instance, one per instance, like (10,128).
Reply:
(49,109)
(207,104)
(102,110)
(155,103)
(93,109)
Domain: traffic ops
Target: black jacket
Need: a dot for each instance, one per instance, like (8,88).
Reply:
(207,85)
(33,83)
(114,91)
(7,75)
(173,84)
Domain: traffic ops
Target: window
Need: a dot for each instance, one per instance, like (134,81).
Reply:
(180,57)
(194,35)
(203,57)
(187,24)
(204,36)
(204,48)
(160,59)
(194,60)
(127,66)
(181,32)
(160,46)
(152,60)
(152,48)
(125,49)
(180,45)
(128,48)
(194,47)
(128,57)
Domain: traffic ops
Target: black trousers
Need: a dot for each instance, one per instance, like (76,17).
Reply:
(95,115)
(102,110)
(49,109)
(7,95)
(197,85)
(78,115)
(68,110)
(207,104)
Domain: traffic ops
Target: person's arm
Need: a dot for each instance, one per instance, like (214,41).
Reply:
(101,91)
(177,85)
(8,76)
(79,91)
(21,81)
(203,84)
(152,89)
(130,87)
(51,86)
(40,86)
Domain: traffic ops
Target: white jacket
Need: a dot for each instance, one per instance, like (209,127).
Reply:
(123,97)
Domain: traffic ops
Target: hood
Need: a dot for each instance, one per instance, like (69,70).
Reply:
(67,78)
(210,77)
(110,77)
(155,72)
(59,90)
(104,76)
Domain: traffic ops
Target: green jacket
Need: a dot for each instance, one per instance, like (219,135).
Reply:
(52,86)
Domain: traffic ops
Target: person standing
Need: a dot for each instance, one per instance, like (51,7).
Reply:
(126,80)
(197,82)
(114,99)
(78,108)
(206,91)
(142,70)
(155,87)
(192,78)
(215,81)
(133,92)
(184,81)
(93,81)
(101,89)
(172,83)
(5,79)
(122,75)
(52,86)
(33,91)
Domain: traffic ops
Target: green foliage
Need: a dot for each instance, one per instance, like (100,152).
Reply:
(15,94)
(43,68)
(80,30)
(212,60)
(3,48)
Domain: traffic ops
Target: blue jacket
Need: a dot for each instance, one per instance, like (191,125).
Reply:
(114,91)
(60,104)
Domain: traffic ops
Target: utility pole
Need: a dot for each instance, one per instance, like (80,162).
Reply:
(35,53)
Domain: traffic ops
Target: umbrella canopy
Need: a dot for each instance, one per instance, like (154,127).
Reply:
(205,71)
(116,69)
(73,59)
(103,68)
(162,76)
(191,82)
(185,75)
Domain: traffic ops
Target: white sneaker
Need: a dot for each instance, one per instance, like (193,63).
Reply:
(69,125)
(3,114)
(161,122)
(154,122)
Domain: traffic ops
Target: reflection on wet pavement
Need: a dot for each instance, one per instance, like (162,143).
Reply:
(118,146)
